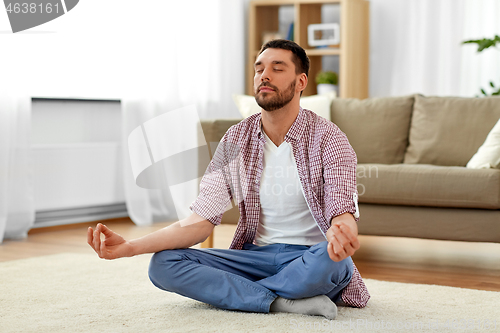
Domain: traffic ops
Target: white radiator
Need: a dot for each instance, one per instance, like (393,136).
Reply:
(77,176)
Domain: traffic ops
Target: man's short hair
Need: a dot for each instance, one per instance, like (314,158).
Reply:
(299,57)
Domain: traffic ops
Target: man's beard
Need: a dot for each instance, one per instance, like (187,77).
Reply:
(277,102)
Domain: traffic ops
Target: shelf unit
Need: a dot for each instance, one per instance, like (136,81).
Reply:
(353,51)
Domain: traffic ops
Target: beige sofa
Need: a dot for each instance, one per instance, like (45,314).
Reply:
(412,155)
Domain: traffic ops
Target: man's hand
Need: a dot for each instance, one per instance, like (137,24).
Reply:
(112,247)
(342,237)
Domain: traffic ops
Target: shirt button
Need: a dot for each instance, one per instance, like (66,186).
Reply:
(256,181)
(256,205)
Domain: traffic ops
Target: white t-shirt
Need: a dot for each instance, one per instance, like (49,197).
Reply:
(284,215)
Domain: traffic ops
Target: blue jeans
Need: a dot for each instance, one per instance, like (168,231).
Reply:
(250,279)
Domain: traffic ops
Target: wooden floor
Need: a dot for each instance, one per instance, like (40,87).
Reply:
(457,264)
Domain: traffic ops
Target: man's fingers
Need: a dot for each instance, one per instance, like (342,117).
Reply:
(332,254)
(97,241)
(106,231)
(350,237)
(94,239)
(336,240)
(338,248)
(340,236)
(345,237)
(347,232)
(345,247)
(330,250)
(90,233)
(340,241)
(91,239)
(355,244)
(103,250)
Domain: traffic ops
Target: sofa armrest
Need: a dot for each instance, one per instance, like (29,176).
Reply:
(214,130)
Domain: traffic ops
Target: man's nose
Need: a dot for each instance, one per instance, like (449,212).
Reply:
(265,76)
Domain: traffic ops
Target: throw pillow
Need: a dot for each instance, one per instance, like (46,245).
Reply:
(447,131)
(319,104)
(246,105)
(488,155)
(377,128)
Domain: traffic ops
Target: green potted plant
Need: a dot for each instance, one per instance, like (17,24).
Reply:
(483,44)
(326,82)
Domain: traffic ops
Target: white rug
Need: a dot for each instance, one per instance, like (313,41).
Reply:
(81,293)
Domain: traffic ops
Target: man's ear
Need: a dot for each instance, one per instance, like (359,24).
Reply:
(301,82)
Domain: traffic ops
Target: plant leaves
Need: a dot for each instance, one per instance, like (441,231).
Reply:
(483,44)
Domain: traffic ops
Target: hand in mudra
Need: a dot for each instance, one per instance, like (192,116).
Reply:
(342,241)
(112,247)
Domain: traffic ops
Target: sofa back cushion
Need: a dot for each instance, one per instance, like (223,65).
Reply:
(449,130)
(214,129)
(377,128)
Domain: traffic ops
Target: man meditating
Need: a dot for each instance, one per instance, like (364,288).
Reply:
(293,176)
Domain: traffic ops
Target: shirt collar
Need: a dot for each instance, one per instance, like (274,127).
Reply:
(298,126)
(258,125)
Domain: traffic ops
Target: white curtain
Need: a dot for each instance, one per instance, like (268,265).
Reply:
(156,56)
(416,46)
(144,206)
(17,212)
(201,65)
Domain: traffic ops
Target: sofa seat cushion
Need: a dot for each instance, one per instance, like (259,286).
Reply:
(449,130)
(377,128)
(429,185)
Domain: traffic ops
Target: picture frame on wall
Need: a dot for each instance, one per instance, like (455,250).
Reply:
(324,34)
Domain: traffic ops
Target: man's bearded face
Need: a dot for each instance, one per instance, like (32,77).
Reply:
(274,100)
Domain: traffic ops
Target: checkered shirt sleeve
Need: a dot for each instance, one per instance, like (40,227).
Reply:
(215,187)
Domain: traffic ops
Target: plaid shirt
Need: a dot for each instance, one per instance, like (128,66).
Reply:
(326,165)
